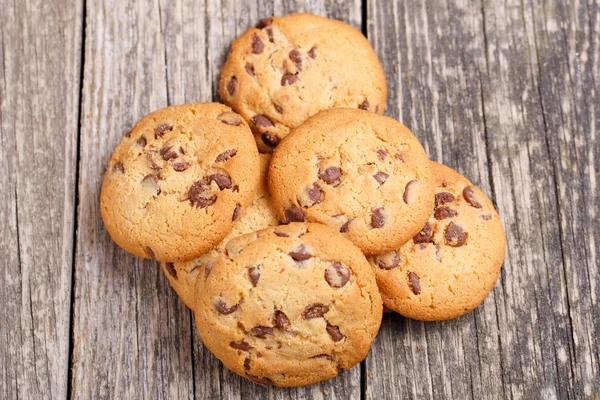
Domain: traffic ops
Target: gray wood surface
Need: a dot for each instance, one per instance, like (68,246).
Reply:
(505,92)
(40,85)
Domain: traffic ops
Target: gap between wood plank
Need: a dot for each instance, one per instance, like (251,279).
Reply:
(69,385)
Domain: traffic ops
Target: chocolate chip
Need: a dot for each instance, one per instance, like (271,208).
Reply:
(469,195)
(377,218)
(257,44)
(278,108)
(399,157)
(312,53)
(150,252)
(247,363)
(270,139)
(288,79)
(325,356)
(181,166)
(346,227)
(330,175)
(261,331)
(296,58)
(443,198)
(315,194)
(485,217)
(389,260)
(232,85)
(364,105)
(300,254)
(226,155)
(168,154)
(151,155)
(455,235)
(270,34)
(281,234)
(241,345)
(260,381)
(171,269)
(381,177)
(444,212)
(262,120)
(236,212)
(118,167)
(254,275)
(151,180)
(414,283)
(207,269)
(281,320)
(334,332)
(222,181)
(409,196)
(337,275)
(230,118)
(128,134)
(315,311)
(249,69)
(222,308)
(162,129)
(141,141)
(196,194)
(263,23)
(425,235)
(294,214)
(381,153)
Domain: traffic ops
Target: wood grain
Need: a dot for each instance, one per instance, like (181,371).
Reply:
(131,335)
(495,92)
(40,56)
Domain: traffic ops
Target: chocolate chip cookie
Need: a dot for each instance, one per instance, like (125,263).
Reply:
(178,181)
(183,276)
(363,174)
(287,69)
(452,264)
(289,305)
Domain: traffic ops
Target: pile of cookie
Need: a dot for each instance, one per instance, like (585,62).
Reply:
(287,221)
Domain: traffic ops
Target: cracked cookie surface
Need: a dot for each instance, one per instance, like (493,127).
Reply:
(453,263)
(289,305)
(287,69)
(363,174)
(178,180)
(187,277)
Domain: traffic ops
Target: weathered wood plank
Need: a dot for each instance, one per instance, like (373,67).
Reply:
(194,55)
(131,335)
(567,46)
(433,54)
(496,92)
(40,56)
(138,58)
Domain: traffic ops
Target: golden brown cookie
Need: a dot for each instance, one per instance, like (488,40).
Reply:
(289,305)
(449,268)
(259,215)
(287,69)
(178,180)
(363,174)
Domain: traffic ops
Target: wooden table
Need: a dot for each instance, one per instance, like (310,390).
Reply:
(507,92)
